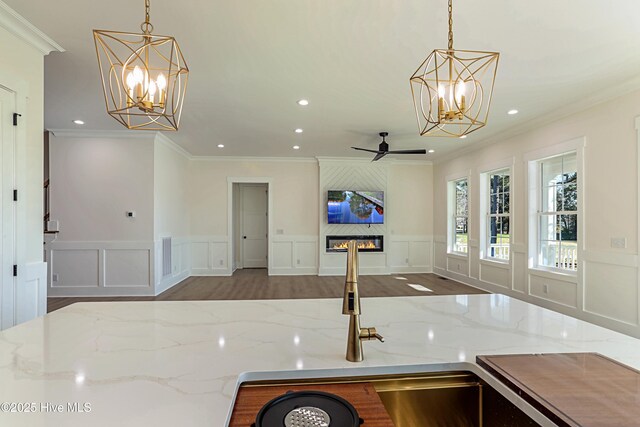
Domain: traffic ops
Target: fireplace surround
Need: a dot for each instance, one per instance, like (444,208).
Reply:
(365,243)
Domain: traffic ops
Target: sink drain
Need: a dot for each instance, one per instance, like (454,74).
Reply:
(308,408)
(307,416)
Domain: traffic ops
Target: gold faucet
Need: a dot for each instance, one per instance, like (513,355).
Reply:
(351,306)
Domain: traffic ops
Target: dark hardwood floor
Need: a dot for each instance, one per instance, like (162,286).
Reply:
(255,284)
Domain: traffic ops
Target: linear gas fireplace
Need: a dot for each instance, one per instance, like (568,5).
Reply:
(365,243)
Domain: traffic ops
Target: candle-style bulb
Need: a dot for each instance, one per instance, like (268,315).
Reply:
(161,82)
(131,81)
(152,88)
(137,74)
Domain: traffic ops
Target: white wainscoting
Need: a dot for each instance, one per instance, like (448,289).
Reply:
(180,263)
(609,296)
(119,268)
(611,287)
(209,256)
(294,255)
(496,273)
(410,254)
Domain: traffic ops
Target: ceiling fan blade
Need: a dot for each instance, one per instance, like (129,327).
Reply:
(408,152)
(379,156)
(365,149)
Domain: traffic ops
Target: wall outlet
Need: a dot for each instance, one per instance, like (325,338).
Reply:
(545,289)
(221,262)
(406,260)
(54,277)
(619,242)
(458,266)
(298,262)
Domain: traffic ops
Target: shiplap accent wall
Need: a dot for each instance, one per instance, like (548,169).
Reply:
(363,175)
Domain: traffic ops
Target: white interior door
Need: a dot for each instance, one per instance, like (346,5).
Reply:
(253,225)
(9,310)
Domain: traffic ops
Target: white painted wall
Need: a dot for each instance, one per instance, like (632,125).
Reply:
(606,292)
(22,49)
(95,180)
(294,214)
(170,210)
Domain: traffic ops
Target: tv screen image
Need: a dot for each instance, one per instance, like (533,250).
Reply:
(355,207)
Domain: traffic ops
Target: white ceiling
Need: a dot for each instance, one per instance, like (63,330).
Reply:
(251,60)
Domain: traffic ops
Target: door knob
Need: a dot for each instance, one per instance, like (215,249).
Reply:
(244,237)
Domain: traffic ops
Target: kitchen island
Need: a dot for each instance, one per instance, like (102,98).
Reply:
(179,363)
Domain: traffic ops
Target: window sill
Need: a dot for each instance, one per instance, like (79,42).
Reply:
(569,276)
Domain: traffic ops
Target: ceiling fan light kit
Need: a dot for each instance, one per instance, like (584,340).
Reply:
(452,89)
(144,77)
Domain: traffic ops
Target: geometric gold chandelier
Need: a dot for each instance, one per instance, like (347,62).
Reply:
(144,77)
(452,89)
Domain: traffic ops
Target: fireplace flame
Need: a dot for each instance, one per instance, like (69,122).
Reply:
(366,244)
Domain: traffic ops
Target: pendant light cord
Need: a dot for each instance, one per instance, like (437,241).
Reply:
(146,26)
(450,25)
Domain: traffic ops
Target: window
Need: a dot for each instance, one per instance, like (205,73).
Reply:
(558,212)
(498,237)
(459,217)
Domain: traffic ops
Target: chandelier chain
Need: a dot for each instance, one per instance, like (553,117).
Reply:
(450,25)
(146,26)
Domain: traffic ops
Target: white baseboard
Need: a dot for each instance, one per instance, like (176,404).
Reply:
(169,282)
(309,271)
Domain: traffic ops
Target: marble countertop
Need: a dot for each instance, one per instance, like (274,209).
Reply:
(178,363)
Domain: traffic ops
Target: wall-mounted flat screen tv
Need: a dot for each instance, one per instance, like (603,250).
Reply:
(355,207)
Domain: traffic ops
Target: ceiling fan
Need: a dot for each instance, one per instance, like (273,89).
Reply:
(383,149)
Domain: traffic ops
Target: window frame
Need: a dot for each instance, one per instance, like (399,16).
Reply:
(534,203)
(542,212)
(486,215)
(452,216)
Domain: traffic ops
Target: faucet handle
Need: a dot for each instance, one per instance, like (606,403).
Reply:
(370,334)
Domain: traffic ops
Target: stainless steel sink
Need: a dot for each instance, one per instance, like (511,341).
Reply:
(447,399)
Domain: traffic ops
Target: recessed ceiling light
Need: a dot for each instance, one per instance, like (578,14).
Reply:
(78,122)
(463,136)
(296,147)
(303,102)
(298,130)
(512,112)
(220,145)
(432,151)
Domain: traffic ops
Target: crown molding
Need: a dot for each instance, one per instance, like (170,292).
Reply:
(601,97)
(390,161)
(170,143)
(253,159)
(167,141)
(16,24)
(103,134)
